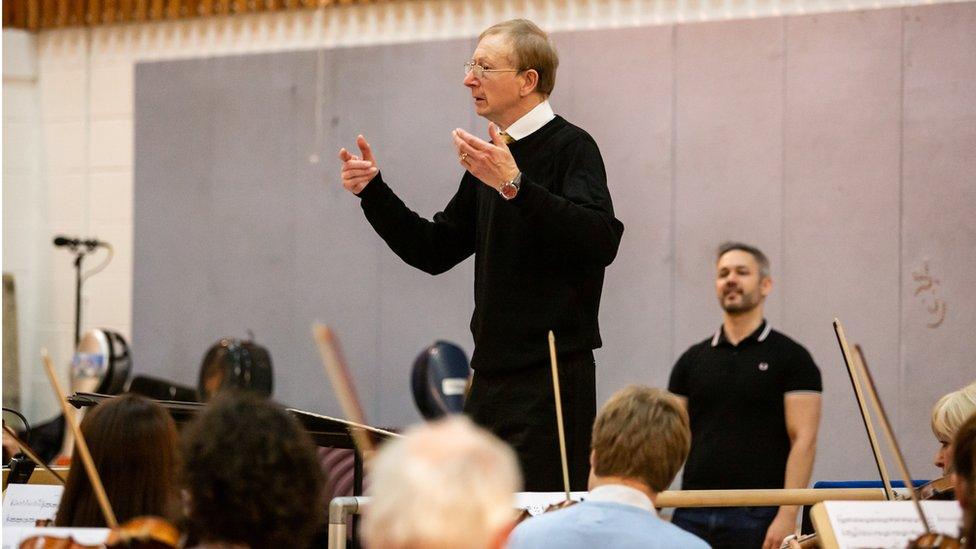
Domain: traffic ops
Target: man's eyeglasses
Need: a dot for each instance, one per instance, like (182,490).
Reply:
(480,72)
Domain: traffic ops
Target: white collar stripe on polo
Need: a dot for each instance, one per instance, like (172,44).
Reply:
(762,336)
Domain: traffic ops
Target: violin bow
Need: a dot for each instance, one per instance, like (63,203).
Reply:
(559,411)
(24,447)
(889,433)
(83,452)
(338,373)
(863,407)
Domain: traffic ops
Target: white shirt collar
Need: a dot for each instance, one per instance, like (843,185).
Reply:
(618,493)
(539,116)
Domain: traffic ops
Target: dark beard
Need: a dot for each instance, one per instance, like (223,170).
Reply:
(745,305)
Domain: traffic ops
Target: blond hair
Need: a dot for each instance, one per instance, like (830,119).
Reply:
(531,48)
(641,433)
(446,484)
(952,410)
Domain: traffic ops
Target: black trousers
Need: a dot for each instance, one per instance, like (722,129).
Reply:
(519,407)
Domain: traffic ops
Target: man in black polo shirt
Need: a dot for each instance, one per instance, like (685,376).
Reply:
(753,398)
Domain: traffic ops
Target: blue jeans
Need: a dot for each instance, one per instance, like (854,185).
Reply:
(727,527)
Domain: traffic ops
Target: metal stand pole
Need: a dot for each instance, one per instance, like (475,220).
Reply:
(357,490)
(339,509)
(78,258)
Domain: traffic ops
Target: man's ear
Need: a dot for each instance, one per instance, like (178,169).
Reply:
(530,82)
(766,286)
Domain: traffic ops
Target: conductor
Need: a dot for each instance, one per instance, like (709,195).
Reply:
(534,208)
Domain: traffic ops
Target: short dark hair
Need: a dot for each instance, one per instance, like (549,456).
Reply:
(532,49)
(252,474)
(134,445)
(755,252)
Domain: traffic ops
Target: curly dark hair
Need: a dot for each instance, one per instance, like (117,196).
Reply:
(252,474)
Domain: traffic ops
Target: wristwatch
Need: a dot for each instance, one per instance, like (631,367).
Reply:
(511,188)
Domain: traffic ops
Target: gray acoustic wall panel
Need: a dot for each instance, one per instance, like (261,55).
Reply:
(841,144)
(624,102)
(727,161)
(938,314)
(840,203)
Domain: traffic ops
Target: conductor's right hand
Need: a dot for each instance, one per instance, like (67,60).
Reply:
(358,171)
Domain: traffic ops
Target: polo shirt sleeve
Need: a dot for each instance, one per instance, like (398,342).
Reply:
(804,374)
(678,384)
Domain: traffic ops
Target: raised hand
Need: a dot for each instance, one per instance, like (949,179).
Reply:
(358,171)
(492,163)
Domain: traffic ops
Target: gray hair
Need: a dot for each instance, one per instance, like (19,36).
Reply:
(445,484)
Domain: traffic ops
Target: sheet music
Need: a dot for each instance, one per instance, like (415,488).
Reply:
(884,524)
(25,504)
(536,502)
(87,536)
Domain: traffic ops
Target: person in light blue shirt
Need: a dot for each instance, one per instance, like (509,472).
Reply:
(641,439)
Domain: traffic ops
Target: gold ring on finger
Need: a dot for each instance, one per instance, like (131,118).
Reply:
(464,157)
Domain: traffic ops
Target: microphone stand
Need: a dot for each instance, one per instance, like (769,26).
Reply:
(79,256)
(81,248)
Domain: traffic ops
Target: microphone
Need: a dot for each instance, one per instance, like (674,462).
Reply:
(91,243)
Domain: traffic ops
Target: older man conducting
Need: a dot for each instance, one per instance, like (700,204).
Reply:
(534,208)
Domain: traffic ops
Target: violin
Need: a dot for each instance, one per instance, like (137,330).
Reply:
(138,533)
(525,514)
(53,542)
(940,489)
(144,533)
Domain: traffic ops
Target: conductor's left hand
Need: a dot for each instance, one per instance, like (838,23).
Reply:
(492,163)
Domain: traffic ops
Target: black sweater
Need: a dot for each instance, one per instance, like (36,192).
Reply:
(539,258)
